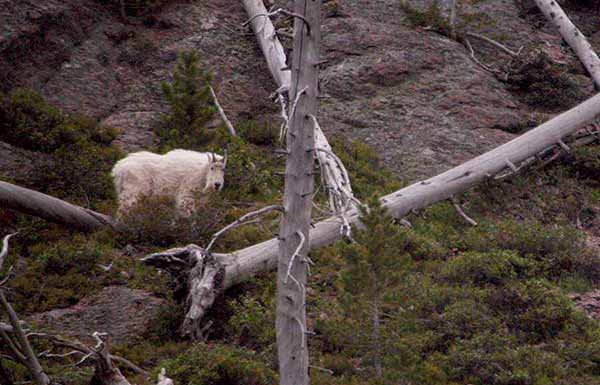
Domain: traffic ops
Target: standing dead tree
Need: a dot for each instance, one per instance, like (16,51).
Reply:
(573,36)
(294,234)
(224,117)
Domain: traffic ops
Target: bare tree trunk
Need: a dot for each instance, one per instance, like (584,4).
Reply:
(222,112)
(269,43)
(52,209)
(20,345)
(376,337)
(334,175)
(105,371)
(573,37)
(294,234)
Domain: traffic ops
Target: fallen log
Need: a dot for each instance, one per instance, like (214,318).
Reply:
(243,264)
(52,209)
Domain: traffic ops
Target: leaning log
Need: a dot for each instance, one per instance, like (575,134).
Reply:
(333,173)
(573,36)
(244,264)
(269,43)
(52,209)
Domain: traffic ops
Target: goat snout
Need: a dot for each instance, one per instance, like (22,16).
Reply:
(218,186)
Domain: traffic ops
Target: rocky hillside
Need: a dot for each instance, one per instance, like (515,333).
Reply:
(408,91)
(401,101)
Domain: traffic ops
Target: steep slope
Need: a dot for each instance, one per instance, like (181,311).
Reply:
(413,94)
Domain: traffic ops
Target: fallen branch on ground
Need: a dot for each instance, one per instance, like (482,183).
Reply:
(222,112)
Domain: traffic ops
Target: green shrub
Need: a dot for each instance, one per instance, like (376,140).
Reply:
(585,162)
(430,17)
(493,268)
(493,359)
(465,318)
(26,121)
(155,221)
(539,310)
(366,170)
(80,154)
(59,274)
(544,83)
(191,109)
(252,323)
(218,365)
(555,249)
(262,134)
(251,173)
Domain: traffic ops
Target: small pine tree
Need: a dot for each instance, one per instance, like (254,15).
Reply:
(376,261)
(191,106)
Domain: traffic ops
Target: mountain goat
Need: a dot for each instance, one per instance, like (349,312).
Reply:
(178,174)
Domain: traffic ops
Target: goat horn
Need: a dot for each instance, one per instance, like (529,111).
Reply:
(225,158)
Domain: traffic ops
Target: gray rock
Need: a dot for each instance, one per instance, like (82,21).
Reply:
(125,314)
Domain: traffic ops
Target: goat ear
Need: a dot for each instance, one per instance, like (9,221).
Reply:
(225,158)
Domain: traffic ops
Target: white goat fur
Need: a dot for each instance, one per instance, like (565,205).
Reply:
(178,173)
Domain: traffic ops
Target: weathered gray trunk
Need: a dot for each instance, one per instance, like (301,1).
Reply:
(20,346)
(573,36)
(222,112)
(299,185)
(376,337)
(339,188)
(268,41)
(50,208)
